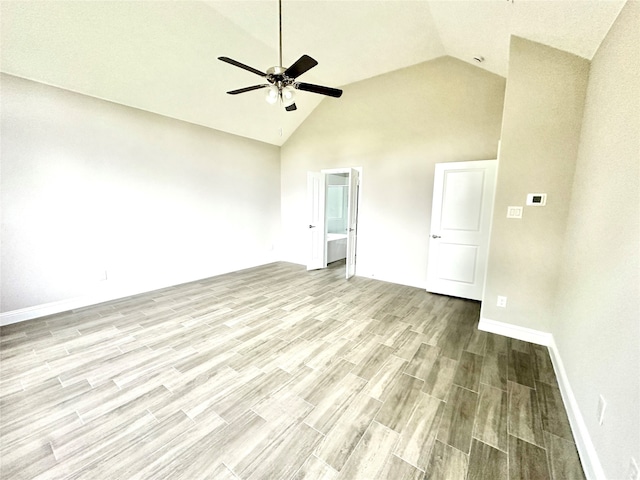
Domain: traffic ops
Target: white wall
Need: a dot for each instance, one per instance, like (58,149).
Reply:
(396,127)
(597,319)
(89,186)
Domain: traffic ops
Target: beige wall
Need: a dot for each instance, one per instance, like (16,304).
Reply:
(543,108)
(88,186)
(396,127)
(597,321)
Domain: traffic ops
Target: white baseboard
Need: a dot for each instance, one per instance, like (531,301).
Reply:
(586,450)
(515,331)
(106,295)
(37,311)
(588,455)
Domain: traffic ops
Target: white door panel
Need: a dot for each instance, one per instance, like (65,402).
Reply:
(457,263)
(317,231)
(461,209)
(460,227)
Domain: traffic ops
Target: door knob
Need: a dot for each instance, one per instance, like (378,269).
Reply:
(436,236)
(312,226)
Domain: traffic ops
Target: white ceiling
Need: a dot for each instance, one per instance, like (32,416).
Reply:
(161,56)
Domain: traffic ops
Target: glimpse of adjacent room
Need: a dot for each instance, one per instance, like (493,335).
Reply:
(336,216)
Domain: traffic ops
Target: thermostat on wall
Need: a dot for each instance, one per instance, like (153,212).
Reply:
(537,199)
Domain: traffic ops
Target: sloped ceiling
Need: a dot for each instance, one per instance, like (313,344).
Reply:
(161,56)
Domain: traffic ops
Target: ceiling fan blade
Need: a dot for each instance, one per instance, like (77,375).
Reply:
(303,64)
(247,89)
(291,108)
(309,87)
(242,65)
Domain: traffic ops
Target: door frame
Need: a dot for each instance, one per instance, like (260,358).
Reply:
(328,171)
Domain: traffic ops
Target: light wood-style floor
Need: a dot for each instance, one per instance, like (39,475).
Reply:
(279,373)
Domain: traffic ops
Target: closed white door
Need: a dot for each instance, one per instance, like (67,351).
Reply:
(352,222)
(315,201)
(463,194)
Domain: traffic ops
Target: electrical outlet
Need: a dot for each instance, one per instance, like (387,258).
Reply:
(102,276)
(634,471)
(602,406)
(502,302)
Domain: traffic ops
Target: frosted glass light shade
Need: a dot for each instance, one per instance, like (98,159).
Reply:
(288,96)
(272,94)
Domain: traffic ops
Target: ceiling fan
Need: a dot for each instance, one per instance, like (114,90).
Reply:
(283,81)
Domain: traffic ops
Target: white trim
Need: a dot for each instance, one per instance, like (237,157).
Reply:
(515,331)
(341,170)
(586,450)
(45,309)
(29,313)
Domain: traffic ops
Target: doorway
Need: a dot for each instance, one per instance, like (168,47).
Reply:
(333,197)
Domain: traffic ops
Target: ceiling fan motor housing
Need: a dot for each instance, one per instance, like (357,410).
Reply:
(276,76)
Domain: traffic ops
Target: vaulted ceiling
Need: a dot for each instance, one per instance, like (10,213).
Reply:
(161,56)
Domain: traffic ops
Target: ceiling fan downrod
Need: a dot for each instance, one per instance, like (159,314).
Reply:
(280,30)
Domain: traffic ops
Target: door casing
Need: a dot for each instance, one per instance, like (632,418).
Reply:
(317,258)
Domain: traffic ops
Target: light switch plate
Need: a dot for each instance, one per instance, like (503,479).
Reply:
(514,212)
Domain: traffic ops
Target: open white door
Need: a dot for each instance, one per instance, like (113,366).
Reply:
(352,222)
(317,230)
(463,194)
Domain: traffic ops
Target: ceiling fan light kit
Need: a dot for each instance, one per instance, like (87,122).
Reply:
(282,82)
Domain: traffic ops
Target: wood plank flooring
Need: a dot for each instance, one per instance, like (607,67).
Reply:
(278,373)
